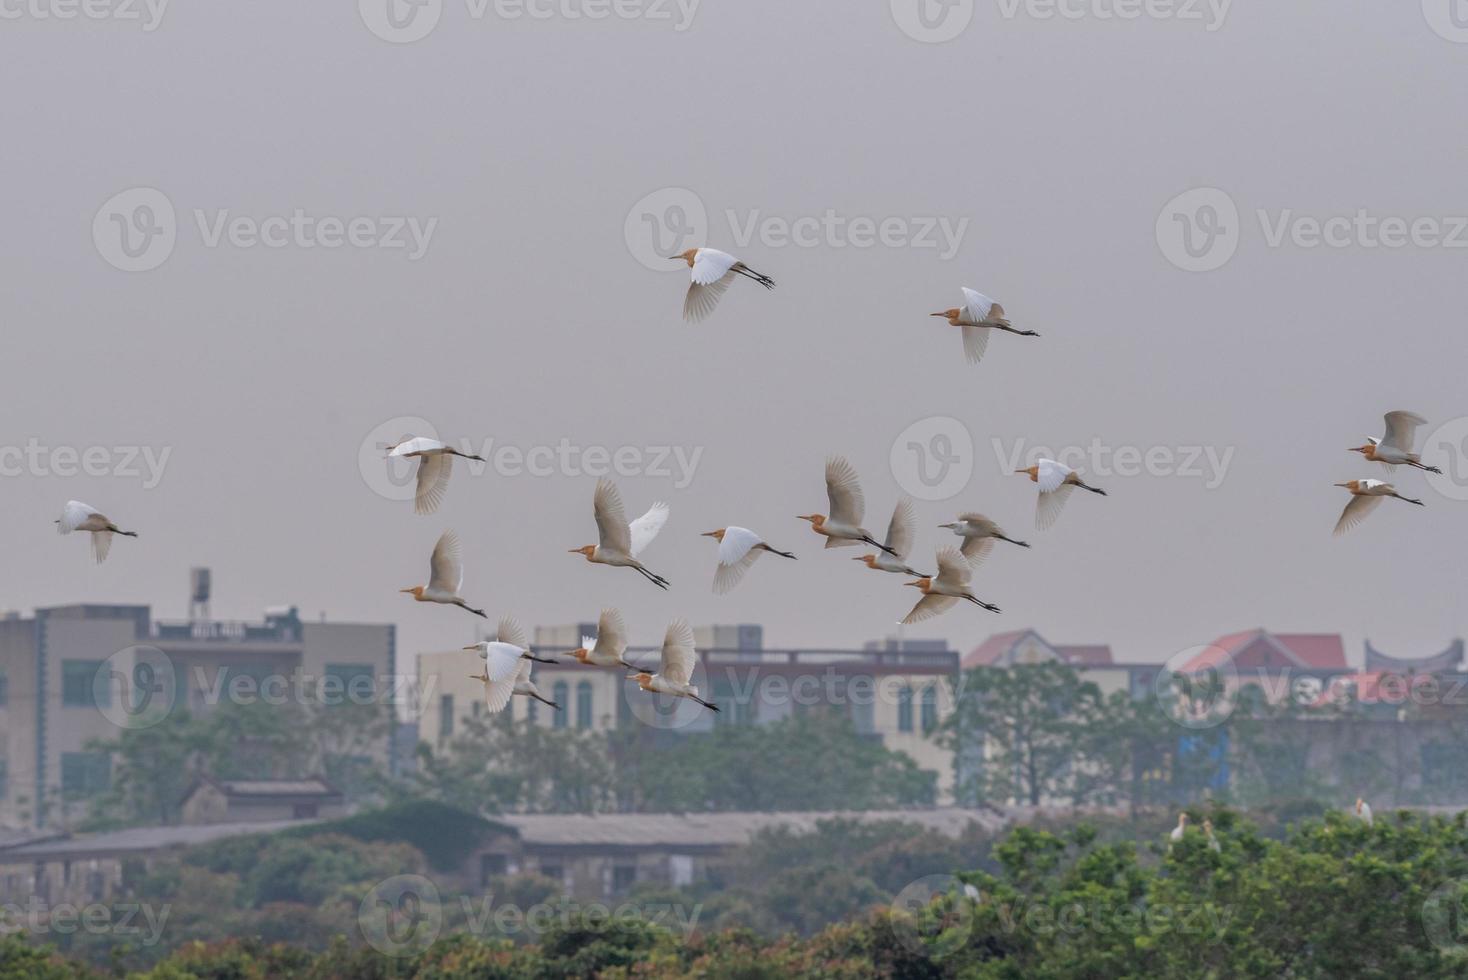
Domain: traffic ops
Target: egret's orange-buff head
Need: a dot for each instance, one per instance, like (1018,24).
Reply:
(688,256)
(1033,473)
(1351,485)
(588,551)
(643,679)
(816,520)
(950,315)
(922,583)
(1359,804)
(1182,819)
(416,591)
(871,560)
(717,535)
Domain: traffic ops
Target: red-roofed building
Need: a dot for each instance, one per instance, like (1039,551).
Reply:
(1029,647)
(1259,651)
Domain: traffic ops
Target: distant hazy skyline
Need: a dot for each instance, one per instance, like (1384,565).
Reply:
(335,232)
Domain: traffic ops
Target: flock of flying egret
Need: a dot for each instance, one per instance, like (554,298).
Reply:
(506,659)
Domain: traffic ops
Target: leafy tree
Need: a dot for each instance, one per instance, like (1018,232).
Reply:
(1020,732)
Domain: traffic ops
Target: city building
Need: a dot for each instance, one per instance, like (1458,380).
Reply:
(898,692)
(211,800)
(71,674)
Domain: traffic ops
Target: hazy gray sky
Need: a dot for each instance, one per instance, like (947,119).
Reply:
(529,318)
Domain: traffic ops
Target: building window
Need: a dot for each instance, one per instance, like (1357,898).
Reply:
(930,709)
(583,704)
(561,693)
(904,708)
(624,876)
(85,773)
(445,715)
(77,677)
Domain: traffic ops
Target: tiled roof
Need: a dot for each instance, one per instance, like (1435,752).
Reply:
(699,830)
(142,839)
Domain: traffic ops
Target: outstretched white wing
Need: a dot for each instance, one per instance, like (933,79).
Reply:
(678,653)
(433,482)
(929,606)
(902,528)
(611,633)
(712,275)
(1401,430)
(510,631)
(953,568)
(1356,511)
(843,491)
(976,550)
(737,554)
(446,567)
(1050,504)
(501,664)
(976,306)
(646,527)
(611,518)
(975,342)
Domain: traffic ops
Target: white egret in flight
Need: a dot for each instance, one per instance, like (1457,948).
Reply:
(842,528)
(607,647)
(1056,481)
(1366,495)
(739,548)
(900,532)
(445,576)
(944,592)
(976,317)
(77,516)
(435,465)
(619,542)
(1395,448)
(712,274)
(979,534)
(675,672)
